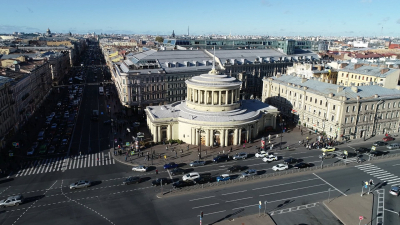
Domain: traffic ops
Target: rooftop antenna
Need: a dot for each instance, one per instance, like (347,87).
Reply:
(214,60)
(213,70)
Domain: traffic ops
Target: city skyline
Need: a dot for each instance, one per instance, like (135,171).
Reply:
(258,17)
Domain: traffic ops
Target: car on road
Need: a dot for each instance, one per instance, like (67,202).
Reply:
(234,168)
(43,149)
(190,176)
(160,181)
(223,177)
(197,163)
(393,146)
(241,155)
(301,165)
(270,158)
(48,121)
(181,183)
(177,171)
(328,149)
(140,168)
(54,126)
(170,165)
(80,184)
(12,201)
(31,151)
(379,143)
(388,138)
(290,161)
(52,114)
(132,180)
(327,156)
(51,150)
(203,179)
(280,167)
(261,154)
(248,173)
(59,104)
(395,190)
(377,153)
(221,158)
(64,141)
(361,150)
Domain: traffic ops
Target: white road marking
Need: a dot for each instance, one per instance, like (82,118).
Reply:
(238,199)
(280,200)
(234,192)
(205,214)
(292,189)
(201,198)
(245,206)
(285,184)
(330,184)
(169,174)
(202,206)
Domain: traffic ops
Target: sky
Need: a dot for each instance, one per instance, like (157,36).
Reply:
(205,17)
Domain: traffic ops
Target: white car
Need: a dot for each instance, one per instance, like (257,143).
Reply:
(280,167)
(270,158)
(261,154)
(242,155)
(248,173)
(191,176)
(140,168)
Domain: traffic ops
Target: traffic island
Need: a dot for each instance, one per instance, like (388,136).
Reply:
(350,209)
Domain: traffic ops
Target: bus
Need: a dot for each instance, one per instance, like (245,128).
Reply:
(101,90)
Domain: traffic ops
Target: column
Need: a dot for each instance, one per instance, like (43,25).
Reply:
(247,133)
(197,136)
(193,137)
(168,132)
(211,137)
(207,137)
(155,135)
(240,136)
(226,137)
(233,97)
(219,97)
(226,97)
(235,138)
(212,97)
(222,138)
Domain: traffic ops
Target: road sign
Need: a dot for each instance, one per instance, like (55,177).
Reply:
(127,143)
(259,202)
(259,206)
(14,144)
(360,217)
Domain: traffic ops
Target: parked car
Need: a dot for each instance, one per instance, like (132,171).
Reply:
(197,163)
(379,143)
(190,176)
(248,173)
(80,184)
(270,158)
(388,138)
(12,201)
(328,149)
(261,154)
(203,179)
(280,167)
(301,165)
(160,181)
(140,168)
(241,155)
(132,180)
(234,168)
(221,158)
(290,160)
(177,170)
(223,177)
(170,165)
(395,190)
(181,183)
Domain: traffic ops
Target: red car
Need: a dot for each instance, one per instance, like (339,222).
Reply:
(388,138)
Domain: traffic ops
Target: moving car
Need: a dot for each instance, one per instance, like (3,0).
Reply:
(221,158)
(393,146)
(80,184)
(328,149)
(43,149)
(12,201)
(248,173)
(160,181)
(170,165)
(132,180)
(223,177)
(388,138)
(234,168)
(327,156)
(52,149)
(377,153)
(301,165)
(191,176)
(203,179)
(290,160)
(197,163)
(261,154)
(280,167)
(54,126)
(177,171)
(242,155)
(270,158)
(140,168)
(379,143)
(31,151)
(395,190)
(181,183)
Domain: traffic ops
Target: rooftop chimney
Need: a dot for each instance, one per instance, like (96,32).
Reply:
(354,88)
(340,88)
(356,66)
(343,65)
(384,70)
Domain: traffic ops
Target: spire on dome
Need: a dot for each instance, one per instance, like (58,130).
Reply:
(213,70)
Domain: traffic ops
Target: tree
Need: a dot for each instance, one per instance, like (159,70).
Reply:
(159,39)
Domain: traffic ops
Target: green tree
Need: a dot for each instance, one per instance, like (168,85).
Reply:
(159,39)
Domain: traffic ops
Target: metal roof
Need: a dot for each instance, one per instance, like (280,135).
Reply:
(368,70)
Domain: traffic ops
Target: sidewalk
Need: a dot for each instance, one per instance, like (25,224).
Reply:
(349,208)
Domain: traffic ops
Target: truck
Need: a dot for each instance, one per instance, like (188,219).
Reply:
(95,115)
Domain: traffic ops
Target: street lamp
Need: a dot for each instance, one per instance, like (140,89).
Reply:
(282,123)
(199,133)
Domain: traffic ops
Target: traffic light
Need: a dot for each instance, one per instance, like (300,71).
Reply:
(201,214)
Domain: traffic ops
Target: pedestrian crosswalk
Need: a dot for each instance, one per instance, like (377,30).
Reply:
(351,159)
(63,163)
(379,173)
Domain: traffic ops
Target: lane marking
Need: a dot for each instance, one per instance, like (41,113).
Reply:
(201,198)
(330,184)
(169,174)
(205,214)
(202,206)
(234,192)
(245,207)
(292,189)
(285,183)
(297,197)
(238,199)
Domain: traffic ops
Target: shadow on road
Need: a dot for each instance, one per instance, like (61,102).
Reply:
(228,216)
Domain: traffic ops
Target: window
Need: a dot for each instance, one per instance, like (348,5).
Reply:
(333,107)
(372,106)
(310,99)
(389,105)
(320,102)
(300,96)
(315,101)
(332,118)
(346,119)
(307,99)
(352,76)
(354,108)
(366,107)
(347,109)
(394,105)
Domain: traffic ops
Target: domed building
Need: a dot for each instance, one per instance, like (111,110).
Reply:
(212,114)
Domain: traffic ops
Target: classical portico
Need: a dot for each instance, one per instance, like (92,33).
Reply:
(212,114)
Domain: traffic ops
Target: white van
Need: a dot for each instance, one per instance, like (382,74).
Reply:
(191,176)
(40,136)
(393,146)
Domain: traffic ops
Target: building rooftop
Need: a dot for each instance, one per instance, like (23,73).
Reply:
(4,80)
(324,89)
(368,70)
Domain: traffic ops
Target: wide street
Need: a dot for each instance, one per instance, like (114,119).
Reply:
(45,182)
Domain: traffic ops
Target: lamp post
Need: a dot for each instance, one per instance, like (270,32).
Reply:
(282,123)
(199,133)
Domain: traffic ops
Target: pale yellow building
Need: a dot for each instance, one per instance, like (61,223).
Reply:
(6,50)
(357,74)
(58,43)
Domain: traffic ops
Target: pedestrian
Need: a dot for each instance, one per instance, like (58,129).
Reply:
(244,146)
(181,151)
(231,149)
(98,159)
(166,148)
(223,151)
(206,152)
(188,147)
(80,153)
(269,136)
(156,171)
(277,136)
(198,150)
